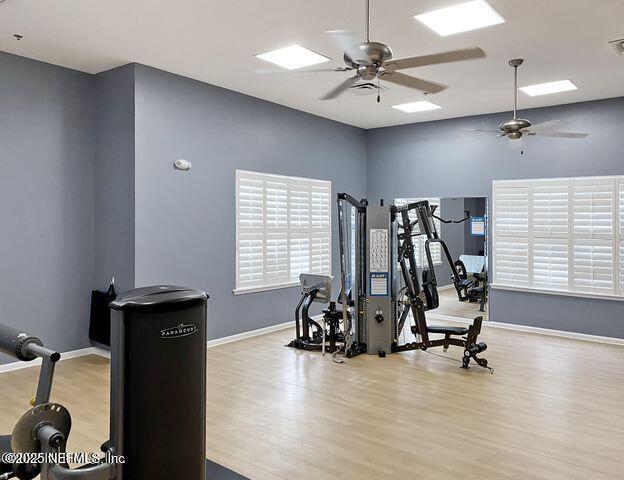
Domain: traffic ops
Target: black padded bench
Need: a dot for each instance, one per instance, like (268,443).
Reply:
(446,330)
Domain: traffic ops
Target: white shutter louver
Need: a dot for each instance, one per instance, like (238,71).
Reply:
(512,261)
(622,267)
(250,203)
(250,260)
(320,206)
(276,258)
(550,263)
(593,265)
(550,210)
(621,206)
(283,228)
(299,205)
(511,230)
(550,257)
(276,204)
(512,210)
(320,254)
(299,257)
(593,208)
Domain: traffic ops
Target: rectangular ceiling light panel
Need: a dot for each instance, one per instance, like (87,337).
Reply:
(413,107)
(548,88)
(293,57)
(461,18)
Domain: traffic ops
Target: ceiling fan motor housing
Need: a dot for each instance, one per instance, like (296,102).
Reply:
(367,53)
(513,128)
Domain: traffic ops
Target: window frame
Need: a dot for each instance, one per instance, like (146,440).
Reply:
(574,236)
(289,283)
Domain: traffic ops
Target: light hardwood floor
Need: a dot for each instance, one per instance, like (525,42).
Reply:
(450,305)
(553,410)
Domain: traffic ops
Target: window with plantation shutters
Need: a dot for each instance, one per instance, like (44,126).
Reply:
(562,235)
(419,240)
(283,228)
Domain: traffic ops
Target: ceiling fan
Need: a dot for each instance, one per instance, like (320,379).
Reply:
(373,60)
(516,128)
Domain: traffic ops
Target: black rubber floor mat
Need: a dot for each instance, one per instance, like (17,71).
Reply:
(214,471)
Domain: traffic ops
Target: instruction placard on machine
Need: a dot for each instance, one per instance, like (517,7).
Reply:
(477,226)
(378,262)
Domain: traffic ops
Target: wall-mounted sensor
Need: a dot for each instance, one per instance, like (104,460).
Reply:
(181,164)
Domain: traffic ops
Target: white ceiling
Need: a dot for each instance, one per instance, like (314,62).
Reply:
(215,42)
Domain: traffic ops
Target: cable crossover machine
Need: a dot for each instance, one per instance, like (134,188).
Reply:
(382,287)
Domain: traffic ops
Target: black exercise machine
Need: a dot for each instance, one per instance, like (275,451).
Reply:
(157,395)
(376,298)
(472,289)
(465,337)
(310,335)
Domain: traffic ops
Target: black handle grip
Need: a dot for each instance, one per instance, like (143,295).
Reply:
(13,342)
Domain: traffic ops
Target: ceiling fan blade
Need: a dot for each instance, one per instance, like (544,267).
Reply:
(559,134)
(540,127)
(343,39)
(482,130)
(412,82)
(265,71)
(435,59)
(340,88)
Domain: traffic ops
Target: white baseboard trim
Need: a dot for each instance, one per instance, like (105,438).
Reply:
(249,334)
(537,330)
(101,352)
(9,367)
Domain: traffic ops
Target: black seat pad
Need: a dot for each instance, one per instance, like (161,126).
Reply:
(444,329)
(5,447)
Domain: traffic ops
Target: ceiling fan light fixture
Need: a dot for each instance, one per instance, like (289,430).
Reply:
(461,18)
(293,57)
(549,88)
(413,107)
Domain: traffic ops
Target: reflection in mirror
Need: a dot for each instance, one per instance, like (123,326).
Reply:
(462,280)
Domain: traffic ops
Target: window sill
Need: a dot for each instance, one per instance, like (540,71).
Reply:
(563,293)
(264,288)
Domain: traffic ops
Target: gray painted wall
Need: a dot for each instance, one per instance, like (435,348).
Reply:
(46,200)
(114,178)
(185,221)
(440,159)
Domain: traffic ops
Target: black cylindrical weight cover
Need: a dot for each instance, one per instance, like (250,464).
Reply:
(158,383)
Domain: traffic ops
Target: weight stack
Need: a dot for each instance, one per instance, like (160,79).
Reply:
(158,383)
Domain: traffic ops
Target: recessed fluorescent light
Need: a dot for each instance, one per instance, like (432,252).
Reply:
(550,87)
(417,107)
(293,57)
(461,18)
